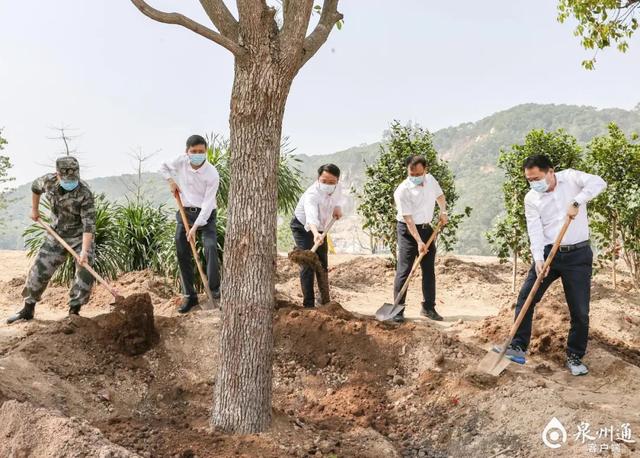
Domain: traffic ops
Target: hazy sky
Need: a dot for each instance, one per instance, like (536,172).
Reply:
(124,81)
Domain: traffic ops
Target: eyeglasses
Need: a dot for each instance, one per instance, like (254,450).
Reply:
(68,171)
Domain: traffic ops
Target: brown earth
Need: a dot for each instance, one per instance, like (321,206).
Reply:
(137,379)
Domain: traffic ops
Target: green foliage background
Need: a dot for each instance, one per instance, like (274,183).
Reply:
(509,235)
(377,206)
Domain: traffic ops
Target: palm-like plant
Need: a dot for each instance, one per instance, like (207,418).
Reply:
(141,228)
(109,261)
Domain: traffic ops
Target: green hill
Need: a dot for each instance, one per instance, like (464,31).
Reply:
(472,150)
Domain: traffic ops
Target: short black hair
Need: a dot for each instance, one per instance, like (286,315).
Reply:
(195,140)
(537,160)
(329,168)
(415,159)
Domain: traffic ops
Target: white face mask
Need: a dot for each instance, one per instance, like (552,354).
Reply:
(327,188)
(539,185)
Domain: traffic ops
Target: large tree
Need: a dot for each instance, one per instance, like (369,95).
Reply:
(601,23)
(268,52)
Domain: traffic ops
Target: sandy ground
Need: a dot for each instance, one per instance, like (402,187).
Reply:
(344,384)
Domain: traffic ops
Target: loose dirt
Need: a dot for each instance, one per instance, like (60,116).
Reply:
(310,259)
(136,379)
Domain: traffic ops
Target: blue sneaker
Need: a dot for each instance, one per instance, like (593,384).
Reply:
(514,352)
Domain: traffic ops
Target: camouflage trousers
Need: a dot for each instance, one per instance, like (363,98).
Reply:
(51,256)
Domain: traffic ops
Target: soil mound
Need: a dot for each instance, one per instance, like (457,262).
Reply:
(459,270)
(131,325)
(549,331)
(28,431)
(361,273)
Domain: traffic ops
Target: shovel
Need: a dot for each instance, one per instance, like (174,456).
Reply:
(196,256)
(388,311)
(117,296)
(494,363)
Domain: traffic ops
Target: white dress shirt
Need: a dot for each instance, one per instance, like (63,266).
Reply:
(546,212)
(198,187)
(316,207)
(417,201)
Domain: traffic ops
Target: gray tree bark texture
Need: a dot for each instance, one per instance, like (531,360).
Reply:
(267,59)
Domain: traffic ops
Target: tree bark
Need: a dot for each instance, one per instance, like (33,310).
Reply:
(242,395)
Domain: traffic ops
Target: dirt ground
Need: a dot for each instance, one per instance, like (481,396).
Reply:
(107,384)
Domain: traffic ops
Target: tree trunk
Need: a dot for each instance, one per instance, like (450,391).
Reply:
(242,395)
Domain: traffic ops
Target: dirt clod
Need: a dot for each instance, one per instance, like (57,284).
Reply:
(133,327)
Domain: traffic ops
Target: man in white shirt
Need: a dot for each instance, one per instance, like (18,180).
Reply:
(415,200)
(197,181)
(553,197)
(320,202)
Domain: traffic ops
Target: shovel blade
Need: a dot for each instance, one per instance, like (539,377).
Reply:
(493,364)
(388,311)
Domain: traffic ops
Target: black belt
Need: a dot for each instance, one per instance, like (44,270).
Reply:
(420,226)
(192,209)
(575,246)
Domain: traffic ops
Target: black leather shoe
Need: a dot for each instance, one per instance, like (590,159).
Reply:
(215,293)
(399,318)
(25,314)
(75,310)
(189,303)
(430,313)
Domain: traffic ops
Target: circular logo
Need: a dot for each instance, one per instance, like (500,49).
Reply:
(554,434)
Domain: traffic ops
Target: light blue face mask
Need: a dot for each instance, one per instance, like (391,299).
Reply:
(539,185)
(69,185)
(417,180)
(197,158)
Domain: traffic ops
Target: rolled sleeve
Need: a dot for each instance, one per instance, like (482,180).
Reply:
(38,185)
(437,188)
(88,214)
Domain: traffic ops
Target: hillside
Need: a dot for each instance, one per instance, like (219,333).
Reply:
(472,150)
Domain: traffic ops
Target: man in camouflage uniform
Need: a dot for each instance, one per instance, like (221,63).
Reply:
(74,219)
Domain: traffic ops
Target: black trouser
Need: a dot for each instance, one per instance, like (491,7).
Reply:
(304,241)
(185,255)
(574,268)
(407,253)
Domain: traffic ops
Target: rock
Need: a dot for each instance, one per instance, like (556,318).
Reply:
(398,380)
(439,359)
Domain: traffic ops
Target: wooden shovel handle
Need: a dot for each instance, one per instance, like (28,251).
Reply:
(324,235)
(536,285)
(417,263)
(71,251)
(194,250)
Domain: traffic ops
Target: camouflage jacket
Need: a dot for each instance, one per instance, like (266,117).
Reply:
(74,212)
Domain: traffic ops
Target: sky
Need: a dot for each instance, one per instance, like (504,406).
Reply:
(125,83)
